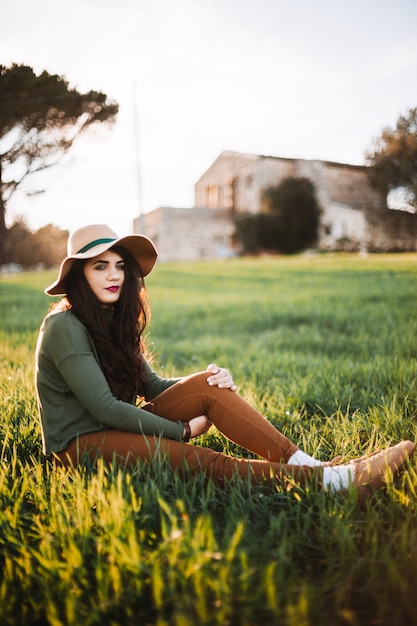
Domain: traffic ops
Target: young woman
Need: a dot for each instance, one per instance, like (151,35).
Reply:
(98,395)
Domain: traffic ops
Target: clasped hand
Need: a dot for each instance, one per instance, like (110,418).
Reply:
(221,377)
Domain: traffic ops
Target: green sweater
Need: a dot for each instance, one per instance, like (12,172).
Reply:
(74,397)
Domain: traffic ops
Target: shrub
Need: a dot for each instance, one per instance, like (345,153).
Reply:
(289,222)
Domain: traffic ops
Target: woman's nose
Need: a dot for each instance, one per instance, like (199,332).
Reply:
(114,273)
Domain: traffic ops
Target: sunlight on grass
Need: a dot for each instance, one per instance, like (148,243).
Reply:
(326,348)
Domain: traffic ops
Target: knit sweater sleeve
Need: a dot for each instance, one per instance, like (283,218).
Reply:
(67,352)
(155,384)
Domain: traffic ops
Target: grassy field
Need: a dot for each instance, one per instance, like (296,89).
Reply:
(326,348)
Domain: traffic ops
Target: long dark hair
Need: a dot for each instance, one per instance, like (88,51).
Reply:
(117,331)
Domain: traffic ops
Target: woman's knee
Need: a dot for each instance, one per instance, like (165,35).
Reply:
(197,384)
(198,378)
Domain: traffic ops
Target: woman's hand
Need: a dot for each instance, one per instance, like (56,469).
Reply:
(199,425)
(223,379)
(220,377)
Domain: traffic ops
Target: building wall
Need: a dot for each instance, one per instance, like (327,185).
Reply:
(334,182)
(392,231)
(235,181)
(353,215)
(188,234)
(343,228)
(349,185)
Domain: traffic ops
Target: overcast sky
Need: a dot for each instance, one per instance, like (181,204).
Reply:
(292,78)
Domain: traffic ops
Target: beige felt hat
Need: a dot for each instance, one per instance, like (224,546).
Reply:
(89,241)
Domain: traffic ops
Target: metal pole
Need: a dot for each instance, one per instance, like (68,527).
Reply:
(138,169)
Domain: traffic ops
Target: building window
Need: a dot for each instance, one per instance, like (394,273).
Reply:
(230,194)
(212,196)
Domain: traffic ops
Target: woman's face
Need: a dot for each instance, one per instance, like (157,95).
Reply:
(105,274)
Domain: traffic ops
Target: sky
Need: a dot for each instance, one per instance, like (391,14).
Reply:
(291,78)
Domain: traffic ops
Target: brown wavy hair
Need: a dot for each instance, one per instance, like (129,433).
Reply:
(117,331)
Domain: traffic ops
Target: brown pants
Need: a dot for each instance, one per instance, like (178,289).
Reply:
(235,418)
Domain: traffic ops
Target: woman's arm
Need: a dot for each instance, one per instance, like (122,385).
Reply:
(68,364)
(87,382)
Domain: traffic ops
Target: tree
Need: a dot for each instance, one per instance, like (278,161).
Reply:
(46,247)
(294,204)
(393,160)
(258,233)
(288,223)
(40,117)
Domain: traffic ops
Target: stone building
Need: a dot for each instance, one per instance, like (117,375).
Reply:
(354,216)
(188,234)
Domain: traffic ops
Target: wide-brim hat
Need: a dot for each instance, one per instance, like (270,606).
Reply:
(89,241)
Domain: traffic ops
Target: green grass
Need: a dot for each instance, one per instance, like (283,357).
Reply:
(326,348)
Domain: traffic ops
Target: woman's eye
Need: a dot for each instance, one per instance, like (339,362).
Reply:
(104,266)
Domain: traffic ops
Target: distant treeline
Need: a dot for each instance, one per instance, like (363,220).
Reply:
(45,247)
